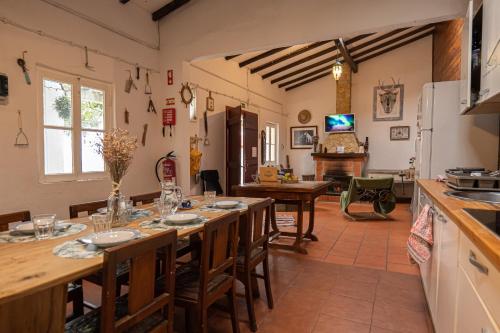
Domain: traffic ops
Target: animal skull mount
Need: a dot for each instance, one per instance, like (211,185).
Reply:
(388,96)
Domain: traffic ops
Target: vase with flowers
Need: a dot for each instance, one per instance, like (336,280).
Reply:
(117,148)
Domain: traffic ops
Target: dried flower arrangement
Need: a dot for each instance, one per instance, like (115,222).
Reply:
(117,149)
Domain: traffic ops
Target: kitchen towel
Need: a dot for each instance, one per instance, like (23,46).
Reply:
(420,241)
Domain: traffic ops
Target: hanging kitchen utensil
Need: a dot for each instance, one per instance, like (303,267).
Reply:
(186,94)
(144,133)
(151,106)
(147,88)
(206,142)
(210,102)
(137,72)
(168,119)
(126,113)
(130,82)
(21,138)
(90,68)
(22,63)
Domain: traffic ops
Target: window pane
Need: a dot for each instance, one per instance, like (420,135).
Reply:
(58,151)
(57,103)
(92,161)
(273,135)
(92,105)
(267,153)
(267,134)
(273,153)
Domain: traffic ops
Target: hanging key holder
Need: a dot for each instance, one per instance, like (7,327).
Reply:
(22,63)
(21,138)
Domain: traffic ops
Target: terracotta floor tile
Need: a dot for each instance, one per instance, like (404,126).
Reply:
(398,258)
(380,330)
(402,268)
(376,262)
(355,289)
(399,319)
(328,324)
(359,274)
(348,308)
(339,259)
(370,250)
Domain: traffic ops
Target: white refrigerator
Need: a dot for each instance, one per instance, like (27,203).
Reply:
(445,139)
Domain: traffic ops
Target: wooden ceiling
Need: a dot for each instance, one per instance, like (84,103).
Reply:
(295,66)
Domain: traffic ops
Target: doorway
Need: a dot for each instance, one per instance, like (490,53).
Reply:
(241,146)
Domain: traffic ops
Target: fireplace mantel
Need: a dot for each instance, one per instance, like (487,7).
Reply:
(339,155)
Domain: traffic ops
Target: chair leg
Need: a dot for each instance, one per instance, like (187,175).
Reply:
(188,319)
(78,302)
(203,320)
(267,283)
(231,295)
(249,298)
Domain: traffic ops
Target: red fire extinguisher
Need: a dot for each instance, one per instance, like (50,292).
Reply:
(167,164)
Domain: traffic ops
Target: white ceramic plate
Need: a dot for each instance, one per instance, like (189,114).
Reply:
(113,237)
(226,204)
(181,218)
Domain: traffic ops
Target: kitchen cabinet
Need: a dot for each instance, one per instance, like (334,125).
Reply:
(465,60)
(490,50)
(447,272)
(471,314)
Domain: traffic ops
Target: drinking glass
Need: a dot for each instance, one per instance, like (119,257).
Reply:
(44,225)
(164,209)
(210,197)
(129,207)
(101,222)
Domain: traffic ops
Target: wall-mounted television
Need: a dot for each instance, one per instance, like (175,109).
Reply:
(338,123)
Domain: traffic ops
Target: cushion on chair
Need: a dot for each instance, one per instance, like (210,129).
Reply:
(90,322)
(187,281)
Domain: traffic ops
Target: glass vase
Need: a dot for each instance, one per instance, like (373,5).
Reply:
(117,209)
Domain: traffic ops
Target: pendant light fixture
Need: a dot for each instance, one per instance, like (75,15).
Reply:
(337,70)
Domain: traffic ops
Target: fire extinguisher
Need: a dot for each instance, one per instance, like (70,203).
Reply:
(167,164)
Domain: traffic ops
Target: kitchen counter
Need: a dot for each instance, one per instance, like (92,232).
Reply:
(486,241)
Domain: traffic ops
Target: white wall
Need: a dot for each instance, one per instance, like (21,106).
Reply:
(228,83)
(412,64)
(19,177)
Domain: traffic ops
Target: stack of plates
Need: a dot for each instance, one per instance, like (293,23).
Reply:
(226,204)
(110,238)
(180,219)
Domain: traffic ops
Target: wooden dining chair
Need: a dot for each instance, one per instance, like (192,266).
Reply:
(88,207)
(149,304)
(144,198)
(75,290)
(253,250)
(199,285)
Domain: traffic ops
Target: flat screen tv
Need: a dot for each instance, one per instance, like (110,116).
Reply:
(338,123)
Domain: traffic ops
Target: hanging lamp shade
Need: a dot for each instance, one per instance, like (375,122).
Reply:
(337,70)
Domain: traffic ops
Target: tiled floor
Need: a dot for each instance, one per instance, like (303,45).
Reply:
(355,279)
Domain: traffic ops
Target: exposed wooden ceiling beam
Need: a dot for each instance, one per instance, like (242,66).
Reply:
(392,41)
(303,77)
(231,56)
(288,56)
(396,46)
(261,56)
(305,68)
(168,8)
(310,57)
(376,39)
(124,1)
(307,81)
(345,54)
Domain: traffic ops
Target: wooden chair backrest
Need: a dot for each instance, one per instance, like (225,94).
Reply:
(143,301)
(254,232)
(144,198)
(219,251)
(21,216)
(89,207)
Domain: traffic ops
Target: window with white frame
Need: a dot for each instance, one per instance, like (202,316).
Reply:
(75,112)
(271,144)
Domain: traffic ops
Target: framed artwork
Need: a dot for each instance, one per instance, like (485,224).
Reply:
(400,133)
(388,102)
(301,137)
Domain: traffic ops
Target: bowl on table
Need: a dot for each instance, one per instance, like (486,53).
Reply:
(186,218)
(226,204)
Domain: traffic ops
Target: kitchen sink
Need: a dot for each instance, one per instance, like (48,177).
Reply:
(489,197)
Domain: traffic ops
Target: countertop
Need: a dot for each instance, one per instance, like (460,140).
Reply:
(486,241)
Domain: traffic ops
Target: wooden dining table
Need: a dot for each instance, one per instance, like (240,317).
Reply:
(33,280)
(298,194)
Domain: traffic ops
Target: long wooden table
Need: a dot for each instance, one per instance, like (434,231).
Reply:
(296,194)
(33,281)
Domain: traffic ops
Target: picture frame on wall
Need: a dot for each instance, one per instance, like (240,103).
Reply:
(388,102)
(301,137)
(398,133)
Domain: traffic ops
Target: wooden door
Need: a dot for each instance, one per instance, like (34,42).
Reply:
(250,143)
(233,147)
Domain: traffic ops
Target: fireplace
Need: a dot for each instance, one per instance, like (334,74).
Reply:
(340,181)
